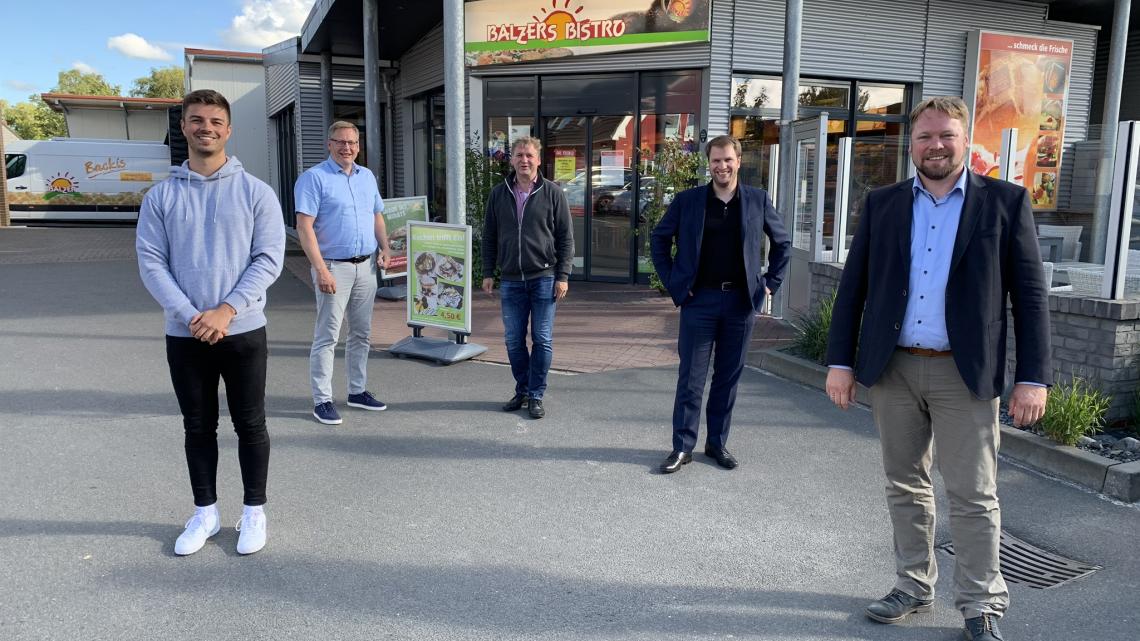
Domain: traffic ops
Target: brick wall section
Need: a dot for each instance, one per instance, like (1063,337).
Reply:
(1095,339)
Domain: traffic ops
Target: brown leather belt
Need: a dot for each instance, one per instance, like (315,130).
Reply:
(922,351)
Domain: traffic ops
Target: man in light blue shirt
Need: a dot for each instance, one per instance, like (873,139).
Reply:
(920,319)
(340,225)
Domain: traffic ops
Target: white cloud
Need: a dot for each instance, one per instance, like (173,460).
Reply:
(83,66)
(20,85)
(135,46)
(267,22)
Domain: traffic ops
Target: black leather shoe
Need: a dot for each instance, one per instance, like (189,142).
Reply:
(897,606)
(674,462)
(536,409)
(983,628)
(518,401)
(722,457)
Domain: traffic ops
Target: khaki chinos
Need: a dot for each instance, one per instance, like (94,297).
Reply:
(922,401)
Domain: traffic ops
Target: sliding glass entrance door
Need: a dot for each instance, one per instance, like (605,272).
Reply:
(590,158)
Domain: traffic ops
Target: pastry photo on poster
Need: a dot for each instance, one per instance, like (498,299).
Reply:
(439,277)
(1020,82)
(397,213)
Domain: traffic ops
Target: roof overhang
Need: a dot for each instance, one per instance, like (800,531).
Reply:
(223,56)
(336,26)
(65,102)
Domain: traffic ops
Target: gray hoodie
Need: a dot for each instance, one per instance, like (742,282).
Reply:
(207,240)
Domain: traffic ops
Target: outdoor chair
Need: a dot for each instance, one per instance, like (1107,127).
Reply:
(1070,239)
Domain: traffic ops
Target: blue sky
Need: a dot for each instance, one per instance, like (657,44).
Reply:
(124,39)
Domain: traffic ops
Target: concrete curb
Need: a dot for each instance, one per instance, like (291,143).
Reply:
(1118,480)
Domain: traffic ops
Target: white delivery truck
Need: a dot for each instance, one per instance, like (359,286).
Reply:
(79,179)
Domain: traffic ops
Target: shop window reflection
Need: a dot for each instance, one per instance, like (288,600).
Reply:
(879,146)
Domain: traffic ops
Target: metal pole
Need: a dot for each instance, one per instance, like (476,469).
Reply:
(372,112)
(789,111)
(455,139)
(389,170)
(327,89)
(1113,89)
(5,216)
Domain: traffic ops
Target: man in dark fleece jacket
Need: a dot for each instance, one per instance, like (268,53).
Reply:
(528,236)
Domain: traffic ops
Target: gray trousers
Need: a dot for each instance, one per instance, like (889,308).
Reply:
(918,402)
(355,296)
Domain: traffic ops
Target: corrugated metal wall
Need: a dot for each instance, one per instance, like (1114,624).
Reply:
(310,116)
(348,83)
(421,69)
(951,20)
(837,41)
(280,87)
(720,60)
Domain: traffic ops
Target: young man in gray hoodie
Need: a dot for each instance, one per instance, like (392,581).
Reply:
(210,241)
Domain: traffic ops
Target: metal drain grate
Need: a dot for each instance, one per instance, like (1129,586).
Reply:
(1028,565)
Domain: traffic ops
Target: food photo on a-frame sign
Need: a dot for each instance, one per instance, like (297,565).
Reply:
(397,213)
(439,276)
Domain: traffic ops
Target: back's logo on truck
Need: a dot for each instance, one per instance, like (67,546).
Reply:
(60,184)
(94,169)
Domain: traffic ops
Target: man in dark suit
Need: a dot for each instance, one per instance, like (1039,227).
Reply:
(715,279)
(920,319)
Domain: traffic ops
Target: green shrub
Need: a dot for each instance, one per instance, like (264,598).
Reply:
(674,168)
(1073,410)
(484,171)
(1136,412)
(812,329)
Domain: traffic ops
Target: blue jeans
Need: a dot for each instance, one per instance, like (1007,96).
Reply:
(529,301)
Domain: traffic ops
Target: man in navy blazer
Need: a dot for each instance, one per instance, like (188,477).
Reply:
(715,278)
(920,319)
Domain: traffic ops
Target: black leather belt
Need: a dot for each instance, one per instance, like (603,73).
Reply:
(723,286)
(354,259)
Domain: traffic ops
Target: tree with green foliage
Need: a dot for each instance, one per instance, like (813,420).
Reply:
(35,120)
(81,83)
(167,82)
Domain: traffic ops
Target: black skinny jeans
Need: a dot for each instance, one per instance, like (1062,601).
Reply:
(195,367)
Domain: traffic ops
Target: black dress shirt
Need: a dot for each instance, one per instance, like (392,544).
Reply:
(722,244)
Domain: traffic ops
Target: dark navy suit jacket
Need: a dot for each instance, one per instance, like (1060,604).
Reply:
(995,259)
(684,222)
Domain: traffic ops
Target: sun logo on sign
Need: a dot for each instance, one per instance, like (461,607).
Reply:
(62,183)
(559,18)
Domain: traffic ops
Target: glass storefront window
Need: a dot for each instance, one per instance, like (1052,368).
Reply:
(670,103)
(881,100)
(503,131)
(756,93)
(876,120)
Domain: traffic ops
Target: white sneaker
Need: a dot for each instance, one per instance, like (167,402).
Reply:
(200,527)
(251,531)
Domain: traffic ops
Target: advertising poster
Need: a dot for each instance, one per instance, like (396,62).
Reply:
(565,165)
(613,167)
(397,213)
(439,281)
(1019,82)
(506,31)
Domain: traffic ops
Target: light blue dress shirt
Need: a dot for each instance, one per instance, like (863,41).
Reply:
(933,228)
(345,206)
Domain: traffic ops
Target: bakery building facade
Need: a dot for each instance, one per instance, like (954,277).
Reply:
(604,83)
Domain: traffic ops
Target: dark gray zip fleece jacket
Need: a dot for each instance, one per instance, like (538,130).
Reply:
(542,245)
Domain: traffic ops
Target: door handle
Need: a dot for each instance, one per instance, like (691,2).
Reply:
(21,188)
